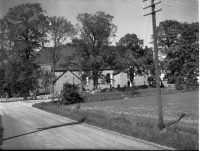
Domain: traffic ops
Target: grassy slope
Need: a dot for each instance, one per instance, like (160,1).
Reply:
(137,117)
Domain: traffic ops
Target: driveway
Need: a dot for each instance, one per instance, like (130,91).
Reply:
(26,127)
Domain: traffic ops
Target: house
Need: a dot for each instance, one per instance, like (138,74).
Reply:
(113,78)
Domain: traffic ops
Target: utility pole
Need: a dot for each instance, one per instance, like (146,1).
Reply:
(153,12)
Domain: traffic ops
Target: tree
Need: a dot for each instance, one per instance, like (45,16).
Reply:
(70,94)
(2,75)
(92,45)
(46,78)
(59,32)
(167,32)
(182,61)
(21,37)
(131,57)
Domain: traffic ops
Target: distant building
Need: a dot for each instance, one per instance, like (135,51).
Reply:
(113,78)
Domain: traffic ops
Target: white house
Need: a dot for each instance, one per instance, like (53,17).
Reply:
(116,79)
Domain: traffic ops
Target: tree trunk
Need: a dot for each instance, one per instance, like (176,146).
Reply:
(95,80)
(133,87)
(132,82)
(26,94)
(45,89)
(53,73)
(9,94)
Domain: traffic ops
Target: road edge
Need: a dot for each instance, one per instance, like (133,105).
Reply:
(113,132)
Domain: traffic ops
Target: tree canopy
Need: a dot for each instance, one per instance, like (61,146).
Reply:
(92,45)
(21,35)
(180,41)
(59,32)
(132,58)
(167,32)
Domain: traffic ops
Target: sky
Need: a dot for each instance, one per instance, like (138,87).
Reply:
(128,14)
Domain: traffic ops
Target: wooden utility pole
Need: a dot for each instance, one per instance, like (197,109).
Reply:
(153,12)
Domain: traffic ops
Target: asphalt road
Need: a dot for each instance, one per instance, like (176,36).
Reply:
(26,127)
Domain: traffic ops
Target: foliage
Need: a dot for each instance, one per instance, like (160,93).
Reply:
(59,31)
(2,75)
(129,55)
(148,62)
(92,45)
(1,131)
(21,35)
(132,58)
(167,32)
(182,59)
(70,94)
(46,78)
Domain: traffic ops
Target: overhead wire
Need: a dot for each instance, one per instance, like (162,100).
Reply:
(185,6)
(190,10)
(173,5)
(170,5)
(180,14)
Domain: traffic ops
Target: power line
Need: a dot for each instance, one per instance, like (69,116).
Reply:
(172,9)
(191,10)
(180,14)
(185,6)
(170,5)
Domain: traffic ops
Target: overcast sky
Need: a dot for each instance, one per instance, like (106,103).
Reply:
(128,14)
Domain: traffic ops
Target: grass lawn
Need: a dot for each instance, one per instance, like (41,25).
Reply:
(138,117)
(1,132)
(127,94)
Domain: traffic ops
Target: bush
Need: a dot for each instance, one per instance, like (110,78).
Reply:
(141,86)
(180,86)
(70,94)
(123,89)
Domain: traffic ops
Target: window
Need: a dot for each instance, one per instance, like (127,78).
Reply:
(108,78)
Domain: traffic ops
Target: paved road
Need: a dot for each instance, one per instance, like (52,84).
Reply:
(26,127)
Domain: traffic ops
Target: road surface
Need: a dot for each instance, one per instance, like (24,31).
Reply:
(26,127)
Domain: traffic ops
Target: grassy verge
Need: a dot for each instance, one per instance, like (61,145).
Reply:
(137,117)
(1,131)
(127,94)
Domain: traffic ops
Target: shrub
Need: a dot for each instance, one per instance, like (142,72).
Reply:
(180,86)
(70,94)
(141,86)
(123,89)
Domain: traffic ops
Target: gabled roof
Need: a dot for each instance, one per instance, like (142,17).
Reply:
(45,56)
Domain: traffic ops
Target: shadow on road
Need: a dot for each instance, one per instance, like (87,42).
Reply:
(44,128)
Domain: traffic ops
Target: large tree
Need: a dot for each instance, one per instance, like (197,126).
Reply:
(21,37)
(132,58)
(59,32)
(179,43)
(182,59)
(92,45)
(45,79)
(167,32)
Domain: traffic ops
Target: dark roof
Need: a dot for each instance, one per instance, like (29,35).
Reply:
(45,56)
